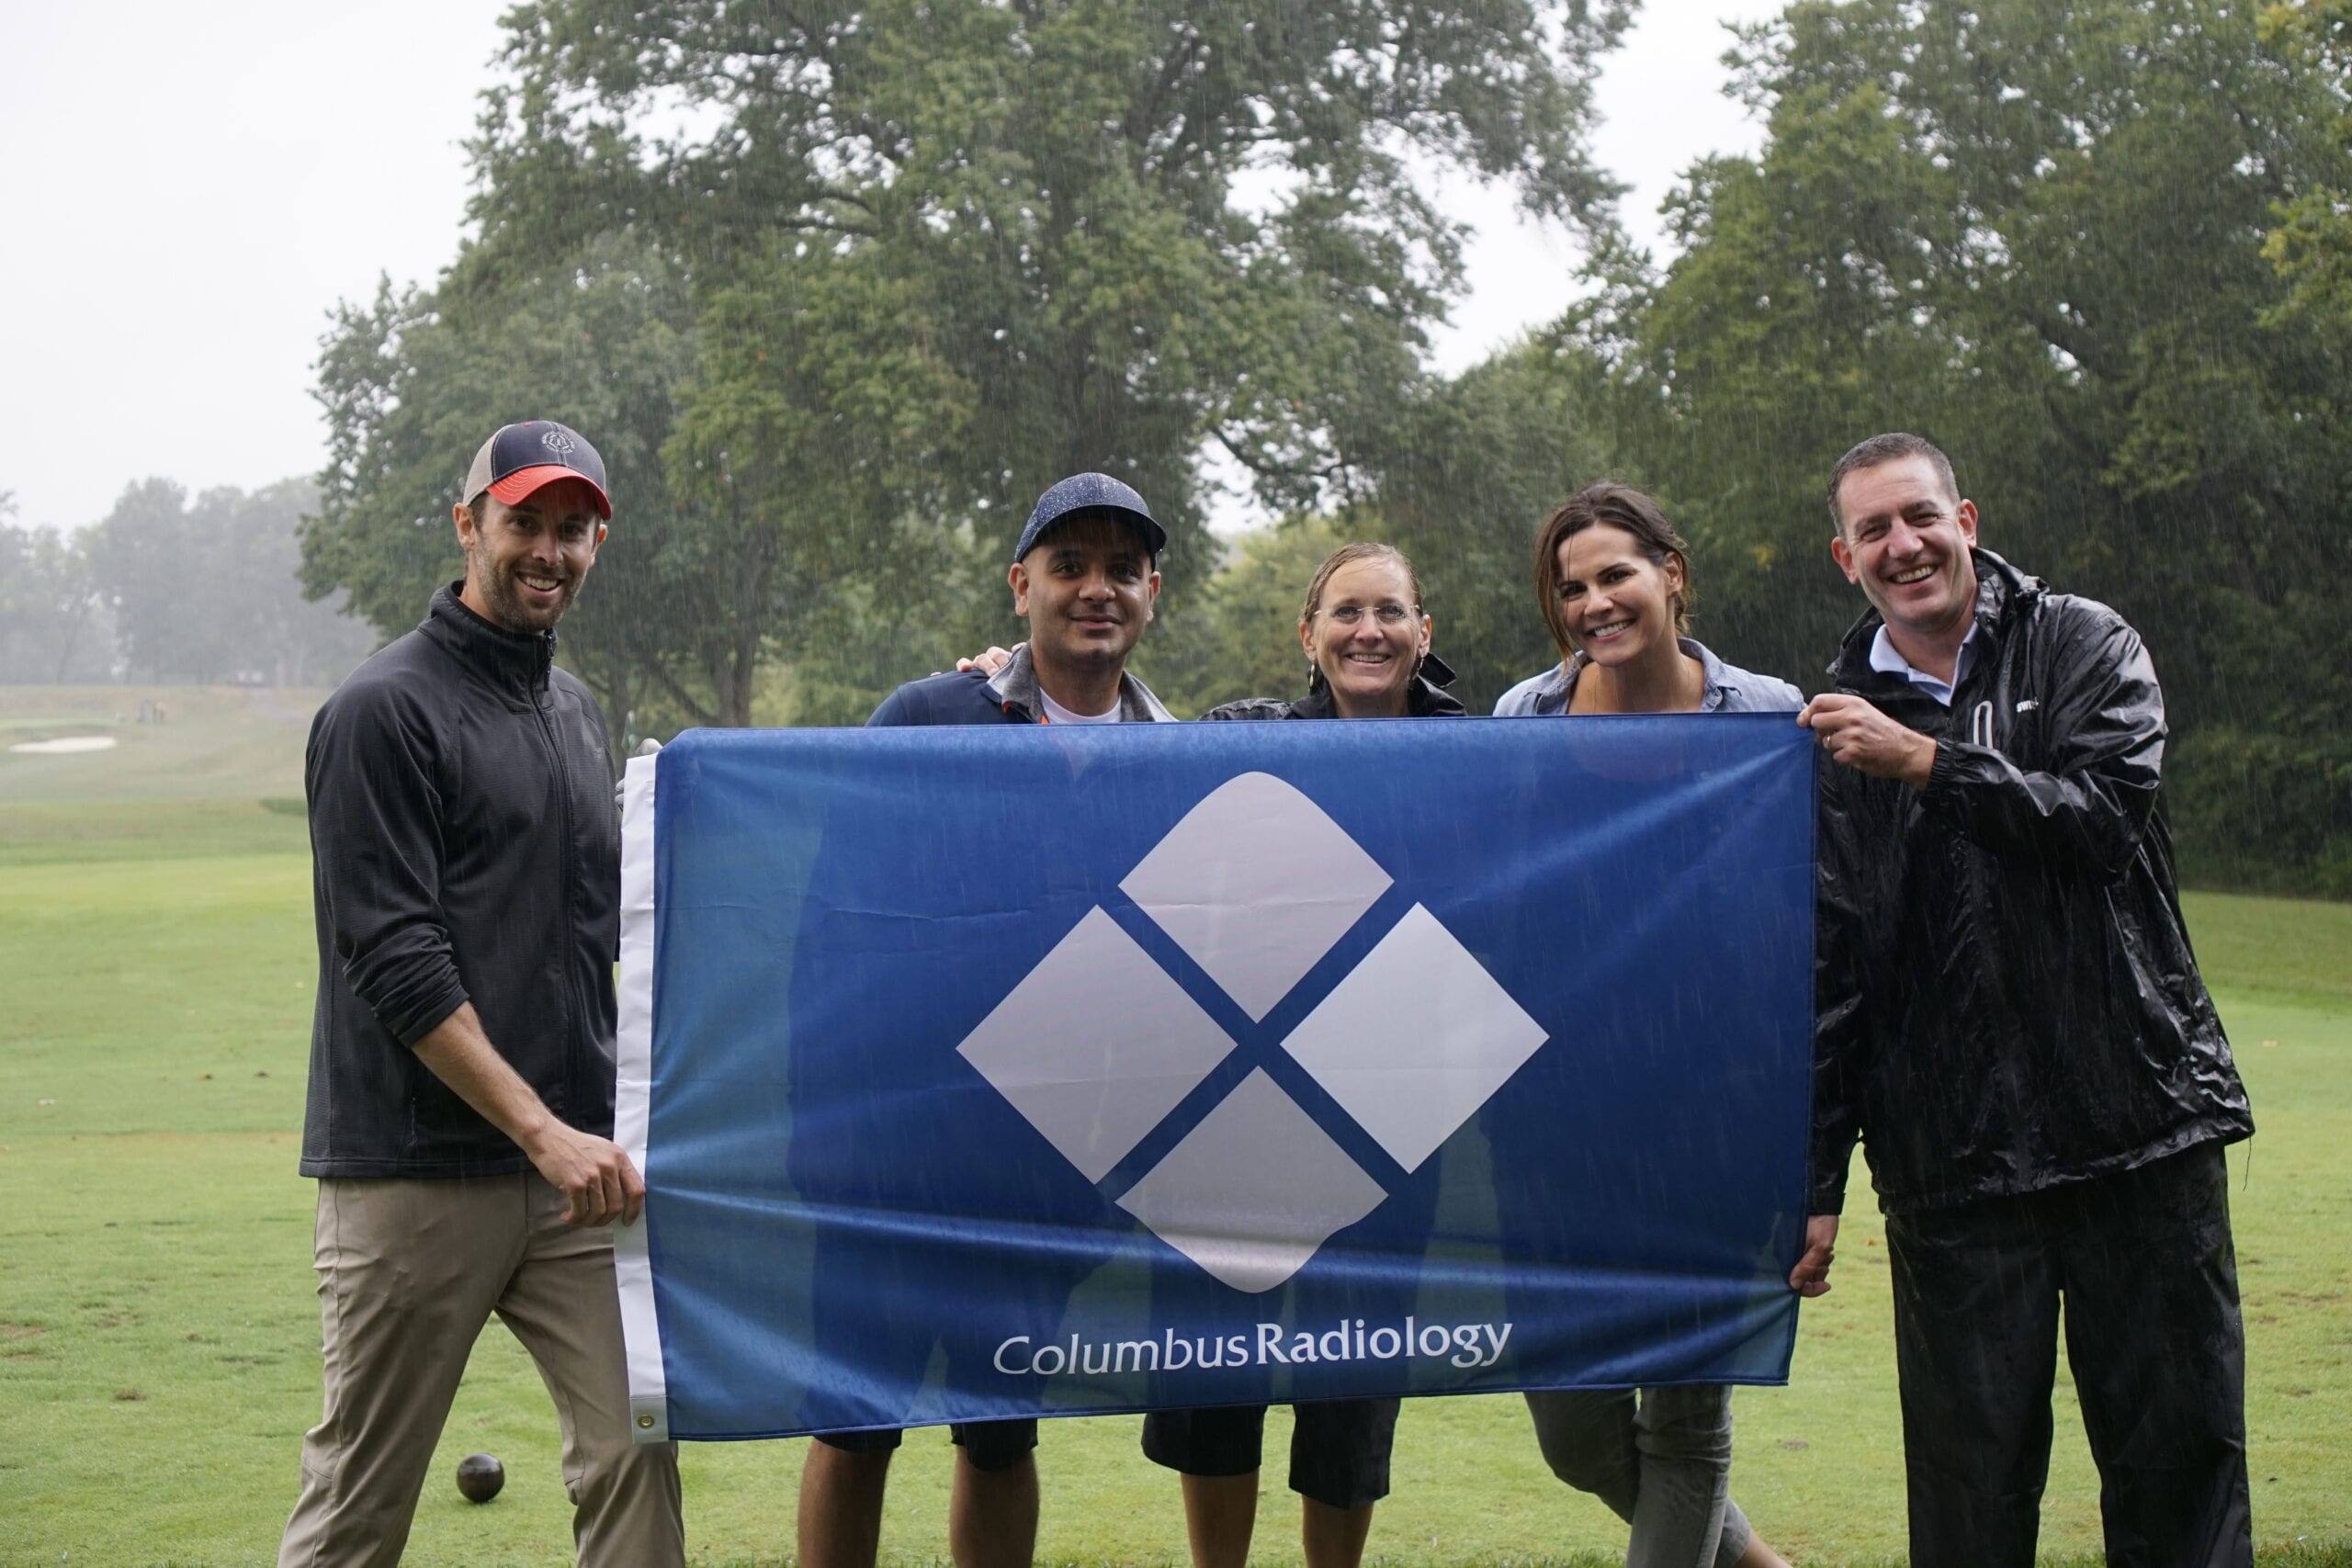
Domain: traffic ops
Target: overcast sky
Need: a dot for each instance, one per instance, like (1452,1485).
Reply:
(187,190)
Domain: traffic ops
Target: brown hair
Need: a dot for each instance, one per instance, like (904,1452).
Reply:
(1619,506)
(1348,554)
(1892,447)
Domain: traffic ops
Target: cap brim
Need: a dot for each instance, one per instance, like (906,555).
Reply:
(1155,537)
(518,486)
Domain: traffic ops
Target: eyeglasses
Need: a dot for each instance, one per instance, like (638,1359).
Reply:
(1391,614)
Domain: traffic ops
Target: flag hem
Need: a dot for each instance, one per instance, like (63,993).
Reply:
(649,1399)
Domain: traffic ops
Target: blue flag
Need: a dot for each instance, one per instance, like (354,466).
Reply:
(1005,1071)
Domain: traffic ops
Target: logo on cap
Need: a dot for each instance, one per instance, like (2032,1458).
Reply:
(1256,884)
(557,442)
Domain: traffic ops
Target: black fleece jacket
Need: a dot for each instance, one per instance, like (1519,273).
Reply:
(464,848)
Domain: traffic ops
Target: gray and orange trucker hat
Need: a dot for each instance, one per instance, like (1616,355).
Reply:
(522,457)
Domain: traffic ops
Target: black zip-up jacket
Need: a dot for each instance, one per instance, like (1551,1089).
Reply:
(1428,699)
(2006,993)
(464,848)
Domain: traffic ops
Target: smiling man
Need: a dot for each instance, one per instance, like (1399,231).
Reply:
(466,882)
(2012,1023)
(1084,575)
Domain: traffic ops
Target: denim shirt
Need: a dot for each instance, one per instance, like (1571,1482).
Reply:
(1729,689)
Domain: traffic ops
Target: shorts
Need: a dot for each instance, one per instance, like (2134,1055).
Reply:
(1338,1447)
(990,1446)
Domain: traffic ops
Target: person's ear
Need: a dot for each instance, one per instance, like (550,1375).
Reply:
(1150,597)
(1018,577)
(1843,553)
(1966,516)
(463,516)
(1429,629)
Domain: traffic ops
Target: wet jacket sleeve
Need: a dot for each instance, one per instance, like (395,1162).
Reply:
(2104,717)
(376,828)
(1839,1036)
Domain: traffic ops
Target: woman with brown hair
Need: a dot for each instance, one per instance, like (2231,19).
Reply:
(1366,639)
(1614,578)
(1367,644)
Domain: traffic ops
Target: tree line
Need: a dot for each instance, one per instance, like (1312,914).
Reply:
(839,287)
(174,590)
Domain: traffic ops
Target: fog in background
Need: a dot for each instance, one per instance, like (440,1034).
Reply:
(835,321)
(190,189)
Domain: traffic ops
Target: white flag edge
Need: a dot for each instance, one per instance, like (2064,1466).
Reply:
(649,1394)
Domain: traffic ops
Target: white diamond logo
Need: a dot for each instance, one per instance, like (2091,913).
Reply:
(1415,1038)
(1095,1045)
(1256,884)
(1211,1199)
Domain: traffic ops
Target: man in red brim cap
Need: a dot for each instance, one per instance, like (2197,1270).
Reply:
(532,517)
(465,882)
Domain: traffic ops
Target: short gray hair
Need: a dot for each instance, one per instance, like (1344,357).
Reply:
(1892,447)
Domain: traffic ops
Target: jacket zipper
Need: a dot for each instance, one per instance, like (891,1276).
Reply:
(571,888)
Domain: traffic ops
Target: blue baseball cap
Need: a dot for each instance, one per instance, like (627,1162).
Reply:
(1091,492)
(519,458)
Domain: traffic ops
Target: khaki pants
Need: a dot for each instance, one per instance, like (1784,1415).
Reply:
(409,1272)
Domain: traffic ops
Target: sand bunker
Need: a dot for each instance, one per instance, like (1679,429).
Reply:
(63,745)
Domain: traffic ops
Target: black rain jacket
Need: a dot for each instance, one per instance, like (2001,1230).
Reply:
(2006,999)
(464,848)
(1428,699)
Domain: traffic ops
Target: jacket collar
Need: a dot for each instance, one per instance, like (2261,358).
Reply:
(517,662)
(1428,699)
(1014,689)
(1559,688)
(2002,590)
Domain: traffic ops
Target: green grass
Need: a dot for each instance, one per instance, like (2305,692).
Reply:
(219,743)
(159,1331)
(2289,949)
(51,832)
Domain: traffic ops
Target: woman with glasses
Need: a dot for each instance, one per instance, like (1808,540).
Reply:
(1367,644)
(1614,578)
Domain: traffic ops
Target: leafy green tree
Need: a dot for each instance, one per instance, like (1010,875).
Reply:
(206,591)
(917,259)
(255,540)
(157,580)
(1239,638)
(1466,479)
(2034,230)
(52,626)
(415,381)
(1465,472)
(2311,246)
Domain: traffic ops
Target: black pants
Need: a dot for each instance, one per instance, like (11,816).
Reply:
(2144,1264)
(1338,1447)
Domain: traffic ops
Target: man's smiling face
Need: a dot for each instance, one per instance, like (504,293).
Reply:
(524,563)
(1903,539)
(1087,588)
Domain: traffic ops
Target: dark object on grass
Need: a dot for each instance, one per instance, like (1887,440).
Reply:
(480,1476)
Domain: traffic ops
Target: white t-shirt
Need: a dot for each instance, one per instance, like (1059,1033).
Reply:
(1056,713)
